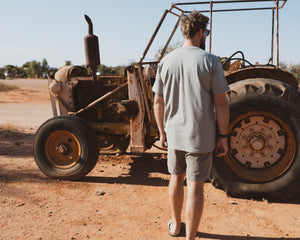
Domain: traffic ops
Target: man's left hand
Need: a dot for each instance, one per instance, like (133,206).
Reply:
(221,147)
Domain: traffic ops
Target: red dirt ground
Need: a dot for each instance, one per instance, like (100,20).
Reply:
(133,203)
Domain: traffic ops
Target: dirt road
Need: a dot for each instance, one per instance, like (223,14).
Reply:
(133,200)
(26,108)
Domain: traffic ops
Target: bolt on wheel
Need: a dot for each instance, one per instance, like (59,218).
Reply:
(262,146)
(63,149)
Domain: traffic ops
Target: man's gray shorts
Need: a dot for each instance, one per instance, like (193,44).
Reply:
(197,166)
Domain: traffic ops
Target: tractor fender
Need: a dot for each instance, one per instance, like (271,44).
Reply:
(262,72)
(61,88)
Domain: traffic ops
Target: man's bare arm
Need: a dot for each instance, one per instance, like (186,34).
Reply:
(222,112)
(159,117)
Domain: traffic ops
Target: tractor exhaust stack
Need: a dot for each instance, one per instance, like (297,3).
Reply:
(91,49)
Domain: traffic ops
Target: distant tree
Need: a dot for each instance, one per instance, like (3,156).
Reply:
(34,69)
(14,71)
(169,49)
(51,72)
(45,67)
(21,73)
(2,73)
(10,70)
(103,69)
(106,70)
(131,62)
(119,69)
(283,65)
(295,70)
(68,62)
(26,65)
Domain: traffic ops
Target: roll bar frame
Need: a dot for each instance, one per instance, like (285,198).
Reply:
(175,6)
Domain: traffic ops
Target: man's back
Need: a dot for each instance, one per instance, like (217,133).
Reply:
(188,78)
(189,82)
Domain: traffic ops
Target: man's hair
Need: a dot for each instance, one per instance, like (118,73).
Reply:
(192,23)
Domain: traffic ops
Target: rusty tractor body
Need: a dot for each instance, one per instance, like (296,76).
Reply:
(114,113)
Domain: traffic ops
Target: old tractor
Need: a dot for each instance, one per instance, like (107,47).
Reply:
(114,113)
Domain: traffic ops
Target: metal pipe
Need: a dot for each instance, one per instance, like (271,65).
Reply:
(174,6)
(233,10)
(150,62)
(100,99)
(284,2)
(228,1)
(210,25)
(272,43)
(178,8)
(176,13)
(231,1)
(142,81)
(89,21)
(154,34)
(277,33)
(171,36)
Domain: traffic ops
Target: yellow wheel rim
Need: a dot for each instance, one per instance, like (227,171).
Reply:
(63,149)
(262,146)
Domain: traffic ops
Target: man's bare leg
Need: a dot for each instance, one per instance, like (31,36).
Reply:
(194,207)
(176,195)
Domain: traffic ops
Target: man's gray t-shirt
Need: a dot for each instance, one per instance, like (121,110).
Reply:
(188,78)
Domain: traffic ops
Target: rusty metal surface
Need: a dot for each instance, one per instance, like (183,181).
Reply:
(127,108)
(272,38)
(262,72)
(170,38)
(104,80)
(91,45)
(63,149)
(64,99)
(149,73)
(145,94)
(176,6)
(137,125)
(68,77)
(154,35)
(231,1)
(99,99)
(277,33)
(52,99)
(111,128)
(113,144)
(262,146)
(62,75)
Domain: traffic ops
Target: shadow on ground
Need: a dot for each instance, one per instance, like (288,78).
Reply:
(141,168)
(148,169)
(230,237)
(15,143)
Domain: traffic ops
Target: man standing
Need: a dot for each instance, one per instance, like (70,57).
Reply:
(189,85)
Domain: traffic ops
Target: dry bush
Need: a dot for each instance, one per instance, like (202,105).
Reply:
(5,87)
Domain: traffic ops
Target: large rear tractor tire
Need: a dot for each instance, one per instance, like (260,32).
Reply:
(65,147)
(263,160)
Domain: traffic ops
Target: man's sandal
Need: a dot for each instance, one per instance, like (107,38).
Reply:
(173,234)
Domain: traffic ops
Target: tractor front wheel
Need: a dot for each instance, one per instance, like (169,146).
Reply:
(66,148)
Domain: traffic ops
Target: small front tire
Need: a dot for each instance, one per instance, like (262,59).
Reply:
(65,147)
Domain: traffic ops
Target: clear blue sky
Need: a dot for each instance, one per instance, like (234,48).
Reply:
(54,29)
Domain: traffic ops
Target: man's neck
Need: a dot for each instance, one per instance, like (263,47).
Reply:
(190,43)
